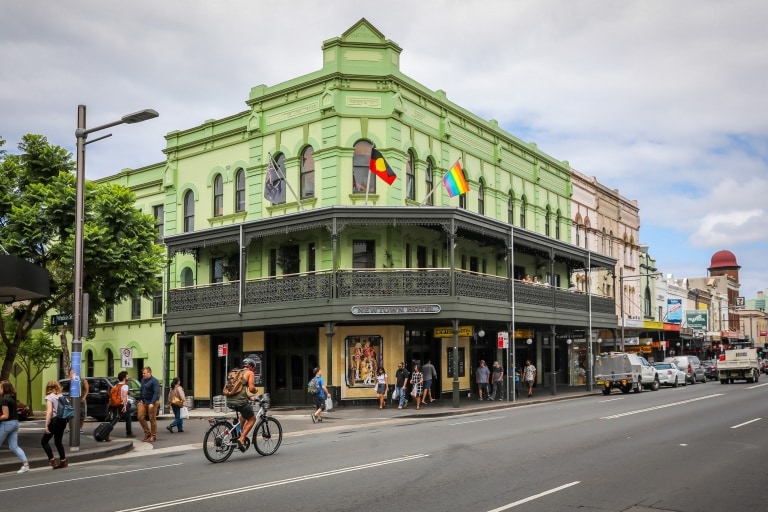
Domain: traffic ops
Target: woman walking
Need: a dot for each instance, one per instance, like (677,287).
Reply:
(417,381)
(381,387)
(54,426)
(9,423)
(177,399)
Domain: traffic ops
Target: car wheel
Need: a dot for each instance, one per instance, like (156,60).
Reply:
(655,385)
(606,391)
(675,384)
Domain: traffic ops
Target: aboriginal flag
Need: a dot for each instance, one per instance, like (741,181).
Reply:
(381,168)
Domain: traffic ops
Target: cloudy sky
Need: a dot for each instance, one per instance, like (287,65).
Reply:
(665,101)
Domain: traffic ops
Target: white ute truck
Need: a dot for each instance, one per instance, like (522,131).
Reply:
(738,364)
(624,371)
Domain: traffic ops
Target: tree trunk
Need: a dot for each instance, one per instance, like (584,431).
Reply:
(10,357)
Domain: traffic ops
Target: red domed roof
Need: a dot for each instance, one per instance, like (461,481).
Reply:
(723,259)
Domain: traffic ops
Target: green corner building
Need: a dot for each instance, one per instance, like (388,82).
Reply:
(282,244)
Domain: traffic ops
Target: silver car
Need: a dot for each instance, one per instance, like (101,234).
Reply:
(670,374)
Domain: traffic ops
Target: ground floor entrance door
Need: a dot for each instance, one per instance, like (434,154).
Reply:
(292,356)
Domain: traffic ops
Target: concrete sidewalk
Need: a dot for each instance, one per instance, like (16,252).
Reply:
(31,431)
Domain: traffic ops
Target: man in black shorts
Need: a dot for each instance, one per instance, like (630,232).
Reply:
(242,404)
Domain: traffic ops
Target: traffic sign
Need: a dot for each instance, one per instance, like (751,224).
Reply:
(62,319)
(126,357)
(223,349)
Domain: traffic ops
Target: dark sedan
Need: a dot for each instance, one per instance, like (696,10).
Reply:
(710,369)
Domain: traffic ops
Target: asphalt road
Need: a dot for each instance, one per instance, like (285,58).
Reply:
(698,448)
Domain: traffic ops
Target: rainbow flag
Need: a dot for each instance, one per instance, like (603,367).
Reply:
(455,182)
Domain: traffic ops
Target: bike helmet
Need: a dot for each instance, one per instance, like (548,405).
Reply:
(249,362)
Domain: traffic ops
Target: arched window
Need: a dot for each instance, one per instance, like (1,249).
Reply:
(522,212)
(278,181)
(218,196)
(410,179)
(647,303)
(557,225)
(360,164)
(578,239)
(189,212)
(547,221)
(428,173)
(239,191)
(610,244)
(89,367)
(110,361)
(463,201)
(481,197)
(511,208)
(187,279)
(308,172)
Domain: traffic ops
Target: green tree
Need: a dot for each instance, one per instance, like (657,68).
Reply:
(37,222)
(34,356)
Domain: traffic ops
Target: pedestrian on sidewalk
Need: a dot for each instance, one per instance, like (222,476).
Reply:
(401,385)
(320,396)
(382,383)
(529,376)
(124,409)
(176,399)
(481,377)
(497,381)
(54,426)
(417,381)
(148,402)
(430,375)
(9,423)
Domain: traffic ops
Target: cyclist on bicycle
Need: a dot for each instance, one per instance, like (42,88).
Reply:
(242,404)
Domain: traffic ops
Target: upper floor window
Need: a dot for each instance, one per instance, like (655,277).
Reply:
(362,178)
(157,212)
(481,198)
(187,278)
(136,308)
(110,362)
(157,301)
(647,311)
(217,270)
(189,212)
(364,254)
(547,221)
(410,180)
(308,172)
(428,175)
(610,244)
(522,213)
(109,314)
(240,190)
(311,256)
(511,209)
(218,196)
(274,187)
(578,237)
(602,245)
(557,226)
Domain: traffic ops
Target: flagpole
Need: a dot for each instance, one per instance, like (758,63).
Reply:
(280,174)
(367,186)
(435,188)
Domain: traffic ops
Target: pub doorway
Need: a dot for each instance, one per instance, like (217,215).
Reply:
(292,357)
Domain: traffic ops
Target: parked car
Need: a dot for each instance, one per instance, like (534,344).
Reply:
(97,400)
(691,365)
(23,411)
(670,375)
(710,369)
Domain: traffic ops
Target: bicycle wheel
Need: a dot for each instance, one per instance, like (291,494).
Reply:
(268,436)
(218,443)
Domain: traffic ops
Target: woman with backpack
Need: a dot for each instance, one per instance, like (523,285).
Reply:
(176,400)
(54,426)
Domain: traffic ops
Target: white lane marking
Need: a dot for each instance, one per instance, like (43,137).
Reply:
(476,421)
(757,386)
(251,488)
(609,400)
(630,413)
(746,423)
(88,477)
(535,497)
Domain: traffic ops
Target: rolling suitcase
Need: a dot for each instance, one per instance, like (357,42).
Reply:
(102,431)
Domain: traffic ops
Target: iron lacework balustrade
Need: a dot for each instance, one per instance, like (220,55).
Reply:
(379,284)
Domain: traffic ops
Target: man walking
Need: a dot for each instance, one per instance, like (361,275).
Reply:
(401,385)
(320,396)
(497,381)
(430,374)
(529,376)
(148,402)
(481,377)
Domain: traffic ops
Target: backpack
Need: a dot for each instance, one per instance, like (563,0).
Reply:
(234,382)
(64,410)
(313,387)
(116,395)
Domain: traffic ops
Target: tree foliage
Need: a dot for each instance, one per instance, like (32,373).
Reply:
(37,222)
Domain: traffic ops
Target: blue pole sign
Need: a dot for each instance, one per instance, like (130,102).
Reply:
(74,375)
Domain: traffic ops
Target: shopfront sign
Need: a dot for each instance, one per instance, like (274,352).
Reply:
(395,309)
(465,331)
(696,320)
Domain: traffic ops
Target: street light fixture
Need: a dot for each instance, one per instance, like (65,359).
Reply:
(81,133)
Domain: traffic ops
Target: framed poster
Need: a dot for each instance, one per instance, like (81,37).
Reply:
(364,358)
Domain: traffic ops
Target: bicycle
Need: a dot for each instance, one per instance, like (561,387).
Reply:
(221,438)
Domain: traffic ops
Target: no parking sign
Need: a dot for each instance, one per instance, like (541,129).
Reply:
(126,356)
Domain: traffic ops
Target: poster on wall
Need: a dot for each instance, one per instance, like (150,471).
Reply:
(365,358)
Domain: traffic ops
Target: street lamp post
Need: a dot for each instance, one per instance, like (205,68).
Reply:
(81,133)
